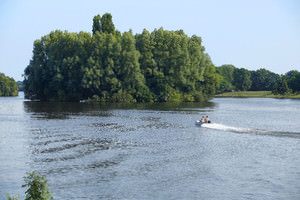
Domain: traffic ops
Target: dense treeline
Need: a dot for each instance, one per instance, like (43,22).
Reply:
(160,66)
(232,78)
(8,86)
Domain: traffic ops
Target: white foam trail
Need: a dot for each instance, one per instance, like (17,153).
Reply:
(222,127)
(227,128)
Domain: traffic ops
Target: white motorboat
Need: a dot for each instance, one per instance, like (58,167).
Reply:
(199,122)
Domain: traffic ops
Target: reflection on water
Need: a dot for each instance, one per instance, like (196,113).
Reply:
(62,110)
(152,151)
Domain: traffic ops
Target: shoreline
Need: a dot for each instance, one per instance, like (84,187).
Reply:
(256,94)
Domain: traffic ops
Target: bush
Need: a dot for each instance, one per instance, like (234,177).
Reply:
(37,187)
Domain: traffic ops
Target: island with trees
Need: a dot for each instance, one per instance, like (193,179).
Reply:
(159,66)
(109,66)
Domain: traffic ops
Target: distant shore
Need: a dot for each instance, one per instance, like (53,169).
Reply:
(257,94)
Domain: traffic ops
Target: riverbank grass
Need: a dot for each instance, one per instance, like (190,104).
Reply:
(257,94)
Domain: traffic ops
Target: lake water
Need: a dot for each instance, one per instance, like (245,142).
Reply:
(92,151)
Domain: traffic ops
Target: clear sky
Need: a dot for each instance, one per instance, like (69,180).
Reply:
(251,34)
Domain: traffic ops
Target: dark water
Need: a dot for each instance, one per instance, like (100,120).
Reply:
(92,151)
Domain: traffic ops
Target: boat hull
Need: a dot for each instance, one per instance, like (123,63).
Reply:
(199,122)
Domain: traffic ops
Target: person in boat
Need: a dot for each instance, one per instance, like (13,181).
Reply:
(202,119)
(207,120)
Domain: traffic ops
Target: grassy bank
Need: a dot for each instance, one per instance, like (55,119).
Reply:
(257,94)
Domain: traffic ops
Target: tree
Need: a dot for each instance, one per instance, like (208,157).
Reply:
(96,24)
(8,86)
(224,85)
(241,79)
(293,80)
(109,66)
(281,87)
(263,79)
(107,25)
(145,46)
(130,74)
(225,77)
(37,187)
(226,71)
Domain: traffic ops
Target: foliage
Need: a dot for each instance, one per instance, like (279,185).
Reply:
(109,66)
(8,86)
(241,79)
(290,82)
(107,25)
(96,24)
(293,80)
(232,78)
(226,71)
(224,85)
(281,87)
(37,187)
(263,80)
(13,197)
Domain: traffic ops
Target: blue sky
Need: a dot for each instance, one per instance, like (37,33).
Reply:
(251,34)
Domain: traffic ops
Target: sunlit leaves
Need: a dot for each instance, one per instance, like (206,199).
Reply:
(110,66)
(8,86)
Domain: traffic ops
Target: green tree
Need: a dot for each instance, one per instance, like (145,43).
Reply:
(225,78)
(211,81)
(281,87)
(110,51)
(226,71)
(37,187)
(54,72)
(293,80)
(130,74)
(107,25)
(8,86)
(110,66)
(145,46)
(241,79)
(158,81)
(224,85)
(96,24)
(263,79)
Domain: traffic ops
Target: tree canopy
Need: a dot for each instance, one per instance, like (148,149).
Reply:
(232,78)
(263,80)
(157,66)
(293,80)
(108,66)
(8,86)
(281,86)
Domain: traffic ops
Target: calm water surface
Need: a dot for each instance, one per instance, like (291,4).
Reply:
(90,151)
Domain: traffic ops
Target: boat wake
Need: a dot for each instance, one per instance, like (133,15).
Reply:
(222,127)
